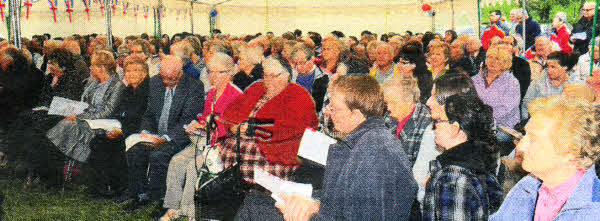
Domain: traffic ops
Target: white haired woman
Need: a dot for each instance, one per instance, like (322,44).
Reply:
(559,153)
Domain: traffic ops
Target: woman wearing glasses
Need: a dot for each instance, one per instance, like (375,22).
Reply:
(462,184)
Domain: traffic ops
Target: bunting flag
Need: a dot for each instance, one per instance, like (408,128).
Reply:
(69,4)
(102,4)
(125,7)
(136,10)
(53,7)
(88,5)
(177,17)
(114,6)
(2,6)
(28,4)
(146,10)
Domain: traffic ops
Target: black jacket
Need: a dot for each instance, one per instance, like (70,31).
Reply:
(465,64)
(520,69)
(583,25)
(131,108)
(242,80)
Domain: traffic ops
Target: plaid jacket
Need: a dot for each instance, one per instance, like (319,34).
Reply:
(413,130)
(458,190)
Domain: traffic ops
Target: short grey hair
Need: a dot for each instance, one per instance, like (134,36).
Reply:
(590,3)
(403,87)
(520,13)
(221,59)
(308,53)
(561,16)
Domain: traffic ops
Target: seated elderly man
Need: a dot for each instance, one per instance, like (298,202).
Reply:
(582,69)
(559,153)
(308,74)
(173,101)
(384,66)
(537,61)
(458,50)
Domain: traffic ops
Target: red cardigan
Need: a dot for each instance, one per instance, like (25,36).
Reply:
(292,111)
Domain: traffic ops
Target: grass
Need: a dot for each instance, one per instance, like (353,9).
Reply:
(36,203)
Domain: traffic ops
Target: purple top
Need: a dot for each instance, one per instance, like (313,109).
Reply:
(503,95)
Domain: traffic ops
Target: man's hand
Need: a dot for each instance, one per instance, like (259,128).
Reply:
(297,208)
(156,141)
(71,118)
(114,134)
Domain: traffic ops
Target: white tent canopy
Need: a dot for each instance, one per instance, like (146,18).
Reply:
(252,16)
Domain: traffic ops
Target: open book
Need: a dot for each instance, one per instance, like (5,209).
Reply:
(138,138)
(66,107)
(314,146)
(277,185)
(105,124)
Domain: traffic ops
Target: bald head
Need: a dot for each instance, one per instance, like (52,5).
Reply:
(171,71)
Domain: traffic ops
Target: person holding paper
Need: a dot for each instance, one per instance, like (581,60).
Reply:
(107,158)
(31,126)
(358,169)
(173,101)
(463,184)
(585,26)
(183,170)
(103,92)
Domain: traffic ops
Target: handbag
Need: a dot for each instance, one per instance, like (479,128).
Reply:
(220,195)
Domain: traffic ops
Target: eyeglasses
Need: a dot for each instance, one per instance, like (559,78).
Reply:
(294,64)
(272,75)
(218,72)
(588,9)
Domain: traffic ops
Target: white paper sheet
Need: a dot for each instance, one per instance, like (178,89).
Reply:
(137,138)
(580,35)
(105,124)
(66,107)
(40,108)
(277,185)
(314,146)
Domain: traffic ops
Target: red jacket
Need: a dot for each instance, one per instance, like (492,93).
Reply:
(489,34)
(291,111)
(561,37)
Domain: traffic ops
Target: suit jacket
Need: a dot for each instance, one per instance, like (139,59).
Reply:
(188,101)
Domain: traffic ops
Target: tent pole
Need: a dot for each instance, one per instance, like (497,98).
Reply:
(16,22)
(266,15)
(452,5)
(479,17)
(107,15)
(593,37)
(524,25)
(8,22)
(159,18)
(192,15)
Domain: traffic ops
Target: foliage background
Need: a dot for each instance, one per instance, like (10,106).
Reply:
(541,11)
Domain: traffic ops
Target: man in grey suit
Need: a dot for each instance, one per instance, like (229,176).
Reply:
(174,100)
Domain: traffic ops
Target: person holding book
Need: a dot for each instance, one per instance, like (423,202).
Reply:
(107,158)
(358,170)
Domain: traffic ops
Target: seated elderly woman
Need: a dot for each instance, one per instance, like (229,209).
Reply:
(250,69)
(290,109)
(107,158)
(559,69)
(31,126)
(103,92)
(463,184)
(498,88)
(358,169)
(182,173)
(559,153)
(437,58)
(410,121)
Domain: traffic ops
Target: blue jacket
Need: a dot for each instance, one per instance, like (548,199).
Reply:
(532,30)
(367,177)
(190,70)
(583,204)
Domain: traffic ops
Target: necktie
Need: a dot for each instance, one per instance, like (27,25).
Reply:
(163,122)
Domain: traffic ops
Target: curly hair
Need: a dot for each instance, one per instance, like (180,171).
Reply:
(579,133)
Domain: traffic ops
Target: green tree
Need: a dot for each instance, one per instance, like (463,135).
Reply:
(542,8)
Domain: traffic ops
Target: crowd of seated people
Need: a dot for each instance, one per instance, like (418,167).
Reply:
(426,126)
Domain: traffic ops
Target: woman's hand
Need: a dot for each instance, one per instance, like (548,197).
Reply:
(297,208)
(156,141)
(71,118)
(114,134)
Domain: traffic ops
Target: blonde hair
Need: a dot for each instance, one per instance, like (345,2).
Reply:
(134,60)
(579,133)
(504,56)
(403,88)
(72,45)
(105,59)
(361,93)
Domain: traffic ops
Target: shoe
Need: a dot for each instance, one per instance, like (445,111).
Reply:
(135,206)
(171,214)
